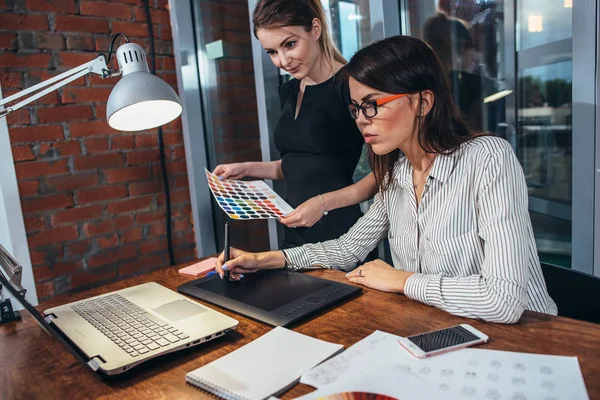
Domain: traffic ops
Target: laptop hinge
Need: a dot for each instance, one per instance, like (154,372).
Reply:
(95,363)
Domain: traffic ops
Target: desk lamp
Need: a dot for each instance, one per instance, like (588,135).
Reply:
(139,101)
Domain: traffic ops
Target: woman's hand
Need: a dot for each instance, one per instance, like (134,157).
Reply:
(240,263)
(231,171)
(380,276)
(305,215)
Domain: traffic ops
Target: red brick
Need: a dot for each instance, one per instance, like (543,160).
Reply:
(96,145)
(22,153)
(72,182)
(85,95)
(51,236)
(8,41)
(178,153)
(101,194)
(133,235)
(150,246)
(85,278)
(165,33)
(45,256)
(127,174)
(63,113)
(68,23)
(44,290)
(77,248)
(36,134)
(123,253)
(168,64)
(66,267)
(177,197)
(100,228)
(149,217)
(25,61)
(98,161)
(172,138)
(71,59)
(67,148)
(144,263)
(105,9)
(29,188)
(19,117)
(108,242)
(181,225)
(11,79)
(100,110)
(80,42)
(122,142)
(47,202)
(146,140)
(51,41)
(90,128)
(131,29)
(23,22)
(176,167)
(139,188)
(142,157)
(128,205)
(33,224)
(157,16)
(77,214)
(181,181)
(38,169)
(52,6)
(157,229)
(185,253)
(124,222)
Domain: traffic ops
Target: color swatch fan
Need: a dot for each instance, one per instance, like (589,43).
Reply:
(247,199)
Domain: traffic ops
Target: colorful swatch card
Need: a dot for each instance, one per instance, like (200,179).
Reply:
(247,199)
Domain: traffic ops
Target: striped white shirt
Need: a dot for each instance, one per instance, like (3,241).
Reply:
(469,242)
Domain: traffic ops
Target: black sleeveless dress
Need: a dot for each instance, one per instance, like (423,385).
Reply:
(319,151)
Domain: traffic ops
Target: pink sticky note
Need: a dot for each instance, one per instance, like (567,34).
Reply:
(200,268)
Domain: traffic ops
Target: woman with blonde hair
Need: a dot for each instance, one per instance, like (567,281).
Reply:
(319,142)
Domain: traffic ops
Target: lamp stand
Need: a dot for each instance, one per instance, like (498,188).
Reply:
(7,314)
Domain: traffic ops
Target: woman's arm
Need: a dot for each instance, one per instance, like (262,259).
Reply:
(499,292)
(312,210)
(350,249)
(257,169)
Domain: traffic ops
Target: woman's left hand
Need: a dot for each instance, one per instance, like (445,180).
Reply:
(380,275)
(305,215)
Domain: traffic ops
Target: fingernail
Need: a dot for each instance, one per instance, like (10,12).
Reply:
(221,178)
(347,274)
(225,267)
(241,276)
(221,276)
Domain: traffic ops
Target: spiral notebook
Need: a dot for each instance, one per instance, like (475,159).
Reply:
(264,367)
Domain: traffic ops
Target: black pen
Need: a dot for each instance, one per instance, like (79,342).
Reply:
(226,254)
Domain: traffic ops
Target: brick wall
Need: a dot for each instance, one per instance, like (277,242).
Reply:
(92,197)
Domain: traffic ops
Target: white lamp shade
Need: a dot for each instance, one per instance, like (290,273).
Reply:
(141,101)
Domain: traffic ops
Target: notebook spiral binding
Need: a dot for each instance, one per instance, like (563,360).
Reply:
(214,389)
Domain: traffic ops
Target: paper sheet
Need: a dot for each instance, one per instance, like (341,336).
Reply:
(462,374)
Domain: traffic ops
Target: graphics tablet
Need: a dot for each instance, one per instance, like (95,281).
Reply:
(277,298)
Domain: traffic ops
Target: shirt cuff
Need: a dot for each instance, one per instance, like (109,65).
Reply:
(297,258)
(423,288)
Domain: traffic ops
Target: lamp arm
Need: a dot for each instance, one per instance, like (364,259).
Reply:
(95,66)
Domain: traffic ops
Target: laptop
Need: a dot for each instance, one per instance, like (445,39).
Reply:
(113,332)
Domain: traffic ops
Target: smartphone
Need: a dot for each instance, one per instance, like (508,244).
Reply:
(443,340)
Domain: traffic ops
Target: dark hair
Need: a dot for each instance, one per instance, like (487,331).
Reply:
(404,64)
(270,14)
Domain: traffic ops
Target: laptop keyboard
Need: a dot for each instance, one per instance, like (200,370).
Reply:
(127,325)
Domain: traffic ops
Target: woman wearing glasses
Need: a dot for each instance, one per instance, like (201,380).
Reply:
(319,142)
(453,204)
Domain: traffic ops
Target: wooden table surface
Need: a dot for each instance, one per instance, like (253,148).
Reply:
(33,365)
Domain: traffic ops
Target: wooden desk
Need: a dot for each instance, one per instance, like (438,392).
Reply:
(35,366)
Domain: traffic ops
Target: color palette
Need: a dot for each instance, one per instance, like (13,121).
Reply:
(247,199)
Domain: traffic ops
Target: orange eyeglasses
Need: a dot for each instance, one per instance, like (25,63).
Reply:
(369,107)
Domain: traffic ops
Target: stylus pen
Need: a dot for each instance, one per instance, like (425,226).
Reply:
(226,249)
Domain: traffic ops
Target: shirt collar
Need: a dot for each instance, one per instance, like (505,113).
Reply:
(442,168)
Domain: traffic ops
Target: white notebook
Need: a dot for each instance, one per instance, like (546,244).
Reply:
(263,367)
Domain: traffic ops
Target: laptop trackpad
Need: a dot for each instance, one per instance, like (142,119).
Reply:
(178,309)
